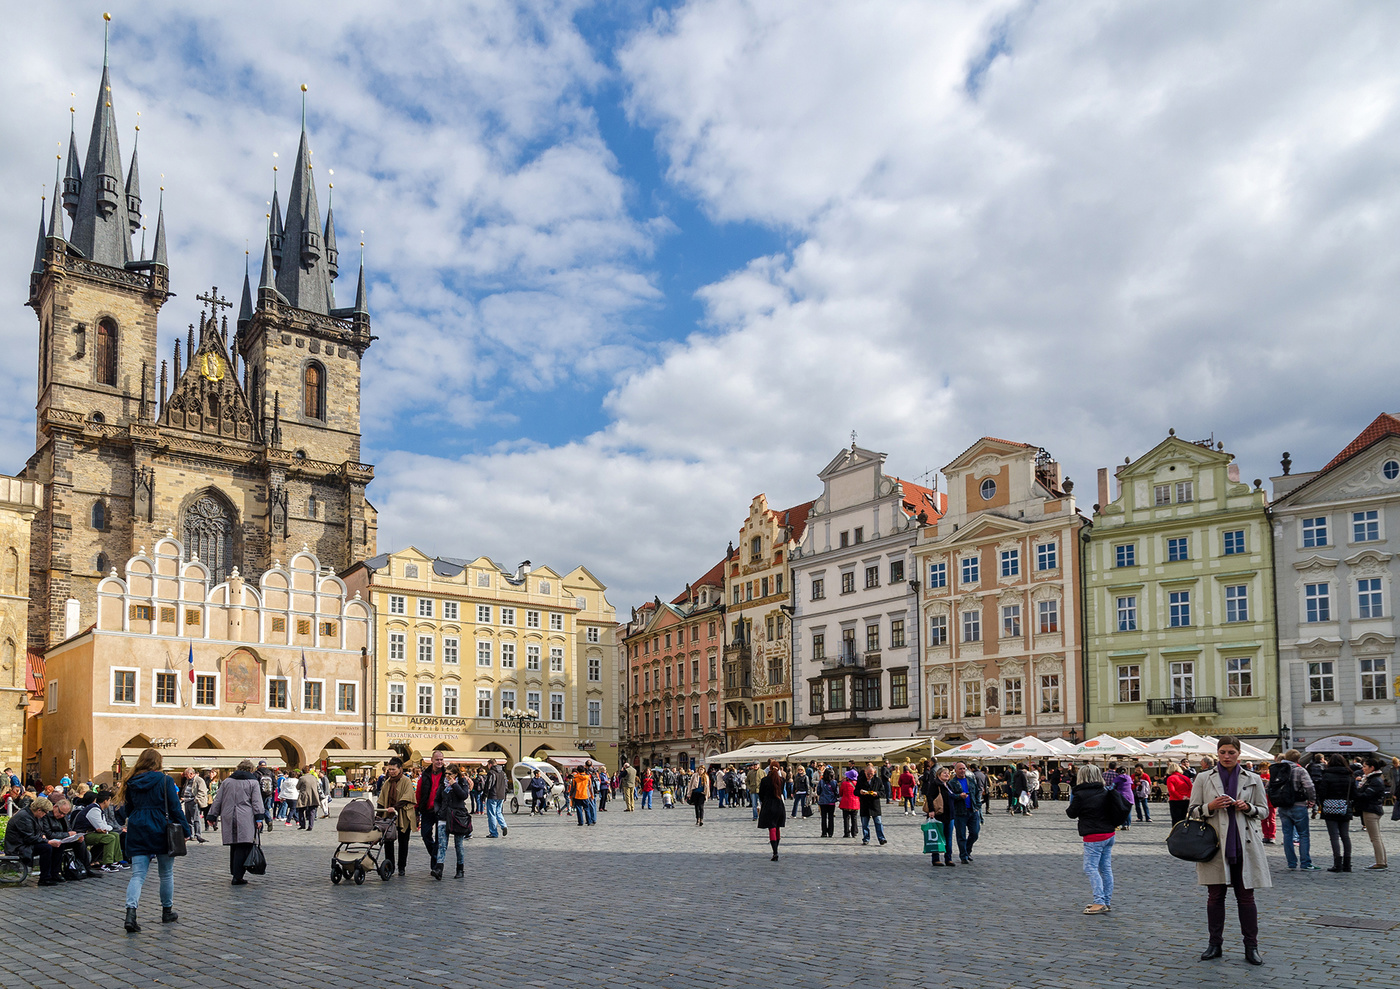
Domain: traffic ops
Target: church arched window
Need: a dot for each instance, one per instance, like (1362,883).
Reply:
(99,515)
(208,528)
(106,352)
(102,566)
(314,391)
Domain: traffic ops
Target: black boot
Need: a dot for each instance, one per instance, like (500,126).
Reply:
(437,871)
(1346,864)
(460,872)
(1212,952)
(131,926)
(1251,954)
(775,850)
(168,915)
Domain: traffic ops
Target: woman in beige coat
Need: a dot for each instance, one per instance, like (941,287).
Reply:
(1231,799)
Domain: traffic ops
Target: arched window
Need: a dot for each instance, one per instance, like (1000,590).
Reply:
(208,529)
(106,352)
(99,515)
(102,567)
(311,506)
(314,391)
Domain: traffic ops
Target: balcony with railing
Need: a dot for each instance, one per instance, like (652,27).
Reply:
(1170,707)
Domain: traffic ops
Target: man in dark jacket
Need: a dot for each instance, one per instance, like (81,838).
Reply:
(967,810)
(868,792)
(432,827)
(496,788)
(1292,791)
(26,837)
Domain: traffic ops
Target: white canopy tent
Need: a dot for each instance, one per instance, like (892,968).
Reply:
(1343,743)
(978,748)
(1029,747)
(1061,746)
(1107,747)
(864,749)
(762,752)
(1188,743)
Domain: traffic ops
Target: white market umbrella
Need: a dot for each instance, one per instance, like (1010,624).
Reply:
(1251,753)
(1107,746)
(1061,746)
(1132,742)
(1186,744)
(1342,743)
(1154,747)
(978,748)
(1030,747)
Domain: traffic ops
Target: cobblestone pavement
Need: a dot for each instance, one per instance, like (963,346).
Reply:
(648,899)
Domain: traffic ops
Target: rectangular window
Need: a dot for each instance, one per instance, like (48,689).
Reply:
(1315,531)
(872,577)
(1322,682)
(938,630)
(1125,555)
(1179,608)
(1234,542)
(971,570)
(556,623)
(483,652)
(507,701)
(1365,526)
(556,707)
(329,630)
(712,660)
(592,634)
(532,619)
(398,646)
(277,693)
(507,655)
(1127,613)
(896,571)
(860,535)
(818,588)
(595,714)
(848,582)
(507,616)
(1129,684)
(872,638)
(449,610)
(1318,602)
(937,575)
(595,669)
(770,626)
(140,612)
(532,702)
(483,614)
(1239,677)
(714,715)
(858,693)
(1184,492)
(972,699)
(736,589)
(1176,549)
(1010,562)
(532,656)
(763,587)
(1368,598)
(1161,494)
(303,626)
(312,695)
(396,698)
(694,671)
(1237,603)
(816,696)
(425,607)
(556,659)
(1011,621)
(1011,698)
(899,688)
(1047,556)
(1050,694)
(1373,673)
(896,633)
(1048,616)
(836,694)
(938,702)
(695,717)
(972,626)
(346,698)
(425,698)
(205,690)
(845,539)
(450,648)
(450,708)
(646,680)
(398,604)
(166,687)
(818,645)
(483,703)
(425,648)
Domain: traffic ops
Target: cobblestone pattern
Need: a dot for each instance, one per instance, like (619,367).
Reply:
(648,899)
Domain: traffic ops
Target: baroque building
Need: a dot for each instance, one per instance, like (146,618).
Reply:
(855,653)
(758,672)
(1001,598)
(1335,558)
(459,644)
(246,444)
(1179,599)
(19,502)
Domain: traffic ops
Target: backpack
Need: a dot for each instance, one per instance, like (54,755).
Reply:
(1281,791)
(265,785)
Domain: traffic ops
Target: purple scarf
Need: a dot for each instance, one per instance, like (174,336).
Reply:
(1230,783)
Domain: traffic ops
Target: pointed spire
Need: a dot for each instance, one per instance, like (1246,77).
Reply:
(56,216)
(41,244)
(268,278)
(245,307)
(101,227)
(177,360)
(275,227)
(332,255)
(303,278)
(361,295)
(191,341)
(133,188)
(164,385)
(73,180)
(159,257)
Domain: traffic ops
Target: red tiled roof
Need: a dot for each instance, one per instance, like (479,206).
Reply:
(918,498)
(34,674)
(795,518)
(1384,425)
(714,577)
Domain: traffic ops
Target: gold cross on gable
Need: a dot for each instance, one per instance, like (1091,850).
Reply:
(215,302)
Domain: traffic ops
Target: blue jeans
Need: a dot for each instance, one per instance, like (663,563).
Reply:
(587,812)
(495,820)
(865,827)
(1144,813)
(440,843)
(1098,866)
(799,800)
(968,828)
(140,864)
(646,799)
(753,802)
(1295,822)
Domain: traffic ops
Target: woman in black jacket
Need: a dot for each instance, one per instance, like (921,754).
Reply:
(152,802)
(772,811)
(454,807)
(1370,804)
(1100,811)
(938,801)
(1336,790)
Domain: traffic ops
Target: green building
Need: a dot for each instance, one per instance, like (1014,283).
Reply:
(1179,599)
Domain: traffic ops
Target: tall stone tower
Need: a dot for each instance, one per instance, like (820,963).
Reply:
(244,472)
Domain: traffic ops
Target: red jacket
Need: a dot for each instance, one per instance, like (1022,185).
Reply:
(1178,787)
(848,800)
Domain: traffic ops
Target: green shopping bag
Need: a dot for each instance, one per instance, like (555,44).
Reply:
(935,841)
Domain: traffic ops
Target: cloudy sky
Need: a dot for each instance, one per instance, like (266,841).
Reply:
(632,263)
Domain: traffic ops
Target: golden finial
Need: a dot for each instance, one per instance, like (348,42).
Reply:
(106,16)
(303,87)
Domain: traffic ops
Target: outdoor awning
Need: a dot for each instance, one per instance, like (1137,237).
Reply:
(206,758)
(866,749)
(357,757)
(471,758)
(1342,743)
(573,761)
(763,751)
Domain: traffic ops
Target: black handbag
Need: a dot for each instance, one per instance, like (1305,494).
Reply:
(1193,840)
(256,861)
(174,833)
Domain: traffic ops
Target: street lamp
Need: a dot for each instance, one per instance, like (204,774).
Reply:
(518,720)
(1285,736)
(1073,735)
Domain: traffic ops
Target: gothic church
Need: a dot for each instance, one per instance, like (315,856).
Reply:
(246,445)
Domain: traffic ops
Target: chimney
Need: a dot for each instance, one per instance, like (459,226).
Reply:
(522,571)
(72,617)
(1103,486)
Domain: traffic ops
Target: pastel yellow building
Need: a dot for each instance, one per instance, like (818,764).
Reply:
(19,501)
(460,643)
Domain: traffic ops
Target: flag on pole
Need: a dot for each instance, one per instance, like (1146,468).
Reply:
(191,662)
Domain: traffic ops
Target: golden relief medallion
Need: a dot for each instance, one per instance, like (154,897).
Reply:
(212,367)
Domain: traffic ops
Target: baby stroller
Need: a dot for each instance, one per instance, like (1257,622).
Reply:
(667,798)
(361,833)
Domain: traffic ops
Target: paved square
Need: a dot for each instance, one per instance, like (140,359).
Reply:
(648,899)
